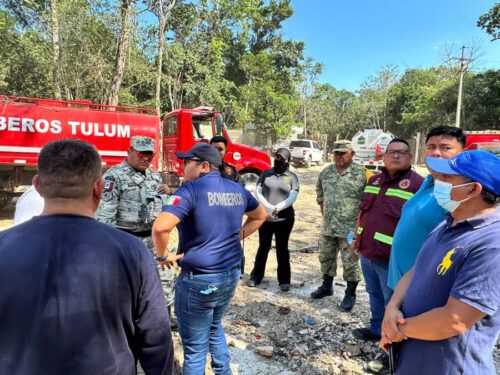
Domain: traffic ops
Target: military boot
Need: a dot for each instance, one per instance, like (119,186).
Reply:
(350,297)
(325,289)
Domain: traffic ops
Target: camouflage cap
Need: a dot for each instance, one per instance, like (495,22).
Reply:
(343,145)
(142,143)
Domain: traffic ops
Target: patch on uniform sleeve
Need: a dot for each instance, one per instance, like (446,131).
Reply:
(376,182)
(173,200)
(108,185)
(404,184)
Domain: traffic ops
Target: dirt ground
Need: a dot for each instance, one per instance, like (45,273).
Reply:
(296,334)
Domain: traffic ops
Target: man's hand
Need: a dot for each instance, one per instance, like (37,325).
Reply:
(353,248)
(384,344)
(171,261)
(163,189)
(392,318)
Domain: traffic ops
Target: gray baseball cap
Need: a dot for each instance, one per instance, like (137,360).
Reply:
(142,143)
(343,145)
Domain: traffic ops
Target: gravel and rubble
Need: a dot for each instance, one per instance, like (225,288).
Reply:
(274,332)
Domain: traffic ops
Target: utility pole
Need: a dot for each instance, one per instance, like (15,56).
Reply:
(463,69)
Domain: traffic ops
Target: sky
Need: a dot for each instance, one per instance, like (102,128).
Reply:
(354,39)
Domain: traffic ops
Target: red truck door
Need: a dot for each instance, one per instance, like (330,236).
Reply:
(181,130)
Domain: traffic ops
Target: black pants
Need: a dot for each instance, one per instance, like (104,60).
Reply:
(281,231)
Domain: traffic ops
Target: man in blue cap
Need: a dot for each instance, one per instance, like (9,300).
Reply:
(208,211)
(445,312)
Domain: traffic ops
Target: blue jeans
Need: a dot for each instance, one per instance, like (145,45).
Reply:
(375,273)
(200,304)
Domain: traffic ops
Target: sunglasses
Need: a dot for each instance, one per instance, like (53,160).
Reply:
(148,155)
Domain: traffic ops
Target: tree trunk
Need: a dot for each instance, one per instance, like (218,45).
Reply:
(163,15)
(114,88)
(56,74)
(305,119)
(162,22)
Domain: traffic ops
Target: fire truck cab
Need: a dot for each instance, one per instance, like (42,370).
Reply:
(183,128)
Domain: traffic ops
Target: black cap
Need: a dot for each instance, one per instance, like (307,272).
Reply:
(204,152)
(284,153)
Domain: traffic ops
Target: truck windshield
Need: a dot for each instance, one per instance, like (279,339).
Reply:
(300,144)
(203,128)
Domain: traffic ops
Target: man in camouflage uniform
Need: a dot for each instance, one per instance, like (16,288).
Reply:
(133,197)
(338,192)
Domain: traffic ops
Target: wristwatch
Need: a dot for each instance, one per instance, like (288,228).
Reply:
(161,259)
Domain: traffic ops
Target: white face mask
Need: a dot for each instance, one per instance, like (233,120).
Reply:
(442,193)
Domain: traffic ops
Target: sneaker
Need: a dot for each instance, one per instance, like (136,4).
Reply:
(380,366)
(251,283)
(321,292)
(365,334)
(285,287)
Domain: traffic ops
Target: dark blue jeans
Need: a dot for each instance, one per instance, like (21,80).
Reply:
(200,304)
(375,274)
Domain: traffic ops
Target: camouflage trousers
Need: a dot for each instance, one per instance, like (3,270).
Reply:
(167,276)
(329,247)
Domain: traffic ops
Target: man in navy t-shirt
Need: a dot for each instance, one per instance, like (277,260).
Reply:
(444,316)
(77,296)
(208,211)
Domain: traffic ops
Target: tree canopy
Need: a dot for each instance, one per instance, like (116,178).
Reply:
(228,54)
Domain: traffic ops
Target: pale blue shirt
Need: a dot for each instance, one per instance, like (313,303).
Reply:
(420,215)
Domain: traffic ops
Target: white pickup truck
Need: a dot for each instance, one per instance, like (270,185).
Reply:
(306,152)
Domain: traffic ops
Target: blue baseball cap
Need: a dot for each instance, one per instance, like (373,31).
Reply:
(202,152)
(479,166)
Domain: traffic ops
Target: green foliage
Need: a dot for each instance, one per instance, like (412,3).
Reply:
(416,101)
(482,101)
(490,22)
(25,63)
(232,55)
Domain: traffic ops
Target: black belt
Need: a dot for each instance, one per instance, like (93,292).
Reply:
(141,234)
(196,272)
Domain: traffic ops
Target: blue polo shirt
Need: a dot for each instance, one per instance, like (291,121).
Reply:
(461,261)
(211,210)
(421,214)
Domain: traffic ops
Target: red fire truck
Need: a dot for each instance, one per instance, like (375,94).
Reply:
(487,140)
(26,124)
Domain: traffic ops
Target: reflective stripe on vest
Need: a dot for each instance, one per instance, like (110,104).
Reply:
(360,230)
(403,194)
(383,238)
(372,189)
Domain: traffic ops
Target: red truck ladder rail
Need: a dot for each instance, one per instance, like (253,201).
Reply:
(76,104)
